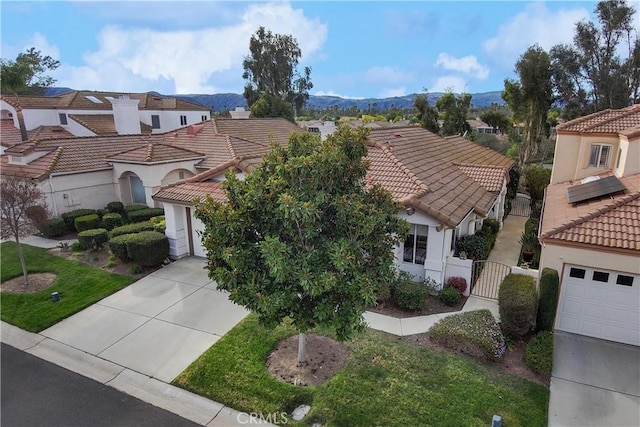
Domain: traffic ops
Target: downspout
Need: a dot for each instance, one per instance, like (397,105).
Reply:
(444,261)
(53,198)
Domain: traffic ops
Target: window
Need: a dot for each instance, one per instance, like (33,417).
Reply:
(624,280)
(183,120)
(93,99)
(619,156)
(204,118)
(600,276)
(415,247)
(63,118)
(578,273)
(137,190)
(181,175)
(600,156)
(155,121)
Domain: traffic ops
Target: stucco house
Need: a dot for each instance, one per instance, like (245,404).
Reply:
(590,225)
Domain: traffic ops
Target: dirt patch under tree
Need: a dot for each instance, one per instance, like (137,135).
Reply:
(37,282)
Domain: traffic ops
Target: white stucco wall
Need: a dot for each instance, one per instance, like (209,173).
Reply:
(176,229)
(91,190)
(555,256)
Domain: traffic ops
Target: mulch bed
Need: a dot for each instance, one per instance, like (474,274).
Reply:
(37,282)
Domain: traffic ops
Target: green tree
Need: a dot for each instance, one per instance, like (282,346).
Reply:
(22,209)
(301,237)
(454,110)
(426,115)
(530,99)
(272,106)
(496,119)
(26,74)
(271,69)
(602,68)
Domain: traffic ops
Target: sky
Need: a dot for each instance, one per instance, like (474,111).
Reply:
(357,49)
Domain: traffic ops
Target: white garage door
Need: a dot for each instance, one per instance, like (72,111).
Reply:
(600,303)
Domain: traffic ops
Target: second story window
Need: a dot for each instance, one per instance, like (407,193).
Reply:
(155,121)
(63,118)
(204,118)
(183,120)
(600,156)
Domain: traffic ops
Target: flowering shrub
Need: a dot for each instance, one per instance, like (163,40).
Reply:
(457,282)
(475,333)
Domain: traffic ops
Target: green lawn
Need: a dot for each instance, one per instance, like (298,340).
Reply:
(79,286)
(387,382)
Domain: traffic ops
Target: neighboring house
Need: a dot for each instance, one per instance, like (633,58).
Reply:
(10,135)
(88,113)
(590,225)
(326,128)
(446,187)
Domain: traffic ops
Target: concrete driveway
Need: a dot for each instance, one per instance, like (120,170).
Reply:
(594,382)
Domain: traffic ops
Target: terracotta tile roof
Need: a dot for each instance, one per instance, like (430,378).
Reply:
(463,151)
(37,169)
(10,135)
(260,131)
(386,170)
(49,132)
(489,177)
(611,221)
(186,192)
(103,124)
(626,120)
(153,153)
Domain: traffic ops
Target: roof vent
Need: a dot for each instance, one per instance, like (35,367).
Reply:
(589,179)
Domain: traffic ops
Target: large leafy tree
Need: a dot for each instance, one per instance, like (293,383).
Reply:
(454,110)
(27,73)
(602,68)
(530,98)
(303,237)
(426,115)
(22,208)
(271,68)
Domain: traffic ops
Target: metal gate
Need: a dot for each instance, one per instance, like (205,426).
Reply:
(521,206)
(486,278)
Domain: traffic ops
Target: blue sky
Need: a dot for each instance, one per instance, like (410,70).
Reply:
(355,49)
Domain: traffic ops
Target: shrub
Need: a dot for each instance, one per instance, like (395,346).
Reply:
(131,228)
(477,246)
(53,228)
(450,296)
(111,220)
(118,246)
(410,295)
(457,282)
(159,222)
(135,269)
(148,248)
(87,222)
(491,226)
(536,179)
(76,247)
(475,333)
(548,299)
(384,292)
(538,356)
(145,214)
(115,207)
(70,217)
(433,288)
(517,304)
(94,238)
(135,207)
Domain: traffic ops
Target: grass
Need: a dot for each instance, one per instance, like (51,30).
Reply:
(387,382)
(79,286)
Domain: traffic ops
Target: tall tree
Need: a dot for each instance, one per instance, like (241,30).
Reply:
(303,237)
(602,68)
(530,99)
(454,109)
(26,74)
(426,115)
(271,68)
(22,208)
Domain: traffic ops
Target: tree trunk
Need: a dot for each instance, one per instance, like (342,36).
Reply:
(22,263)
(302,347)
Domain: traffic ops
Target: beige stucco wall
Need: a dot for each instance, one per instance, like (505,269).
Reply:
(92,190)
(564,159)
(555,256)
(630,161)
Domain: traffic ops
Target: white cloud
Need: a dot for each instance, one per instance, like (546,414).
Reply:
(332,93)
(536,24)
(393,92)
(467,64)
(191,59)
(449,83)
(390,75)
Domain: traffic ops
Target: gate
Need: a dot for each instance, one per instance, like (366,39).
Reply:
(521,206)
(486,277)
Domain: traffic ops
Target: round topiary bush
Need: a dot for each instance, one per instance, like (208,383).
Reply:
(118,246)
(517,304)
(111,220)
(70,217)
(148,248)
(450,296)
(94,238)
(87,222)
(53,228)
(410,295)
(145,214)
(538,355)
(115,207)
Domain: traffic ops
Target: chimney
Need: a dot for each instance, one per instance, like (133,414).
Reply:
(125,115)
(240,113)
(23,129)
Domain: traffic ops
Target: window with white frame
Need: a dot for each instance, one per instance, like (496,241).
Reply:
(600,156)
(204,118)
(183,120)
(155,121)
(415,246)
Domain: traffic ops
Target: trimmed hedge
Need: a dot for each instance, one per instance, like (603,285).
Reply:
(148,248)
(410,295)
(160,223)
(115,207)
(548,299)
(145,214)
(70,217)
(136,207)
(477,246)
(131,228)
(450,296)
(517,304)
(118,246)
(538,356)
(475,333)
(111,220)
(53,228)
(93,239)
(86,222)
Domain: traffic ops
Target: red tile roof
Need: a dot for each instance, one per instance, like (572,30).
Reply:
(186,192)
(10,135)
(153,153)
(490,177)
(625,121)
(103,124)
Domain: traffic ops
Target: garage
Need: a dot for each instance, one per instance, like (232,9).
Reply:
(600,303)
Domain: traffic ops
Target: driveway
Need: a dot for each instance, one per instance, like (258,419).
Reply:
(158,325)
(594,382)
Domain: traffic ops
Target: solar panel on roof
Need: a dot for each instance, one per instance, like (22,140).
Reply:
(593,189)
